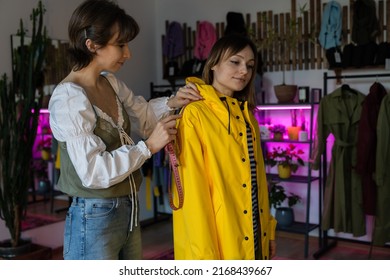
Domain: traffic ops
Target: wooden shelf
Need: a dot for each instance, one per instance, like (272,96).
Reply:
(298,227)
(293,178)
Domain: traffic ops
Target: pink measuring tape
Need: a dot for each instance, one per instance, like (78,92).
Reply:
(173,164)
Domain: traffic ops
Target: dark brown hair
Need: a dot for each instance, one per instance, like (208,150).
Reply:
(226,47)
(95,20)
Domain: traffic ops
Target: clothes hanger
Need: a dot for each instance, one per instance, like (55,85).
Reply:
(346,88)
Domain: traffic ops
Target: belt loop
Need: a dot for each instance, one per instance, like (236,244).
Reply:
(117,202)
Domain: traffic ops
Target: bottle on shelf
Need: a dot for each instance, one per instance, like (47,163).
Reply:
(303,94)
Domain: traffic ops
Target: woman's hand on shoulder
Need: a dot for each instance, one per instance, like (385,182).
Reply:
(186,94)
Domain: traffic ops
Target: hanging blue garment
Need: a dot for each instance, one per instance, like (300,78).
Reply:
(330,33)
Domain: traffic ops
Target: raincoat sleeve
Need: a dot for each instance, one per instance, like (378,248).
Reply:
(196,219)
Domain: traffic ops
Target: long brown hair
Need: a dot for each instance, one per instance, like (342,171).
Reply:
(226,47)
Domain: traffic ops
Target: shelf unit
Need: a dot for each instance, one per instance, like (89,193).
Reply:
(44,134)
(157,90)
(42,165)
(307,178)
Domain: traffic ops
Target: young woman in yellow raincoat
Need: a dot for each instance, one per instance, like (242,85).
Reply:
(225,212)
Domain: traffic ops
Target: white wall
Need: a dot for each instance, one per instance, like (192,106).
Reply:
(137,72)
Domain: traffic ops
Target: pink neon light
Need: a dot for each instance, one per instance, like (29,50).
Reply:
(42,111)
(281,107)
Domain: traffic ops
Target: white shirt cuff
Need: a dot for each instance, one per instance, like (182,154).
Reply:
(144,149)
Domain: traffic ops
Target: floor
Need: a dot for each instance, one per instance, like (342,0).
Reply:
(157,241)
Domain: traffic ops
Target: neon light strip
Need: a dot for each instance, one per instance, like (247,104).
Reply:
(281,107)
(42,111)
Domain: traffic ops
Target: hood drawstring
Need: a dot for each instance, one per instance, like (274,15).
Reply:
(223,98)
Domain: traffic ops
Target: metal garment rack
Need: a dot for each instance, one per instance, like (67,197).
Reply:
(325,244)
(155,92)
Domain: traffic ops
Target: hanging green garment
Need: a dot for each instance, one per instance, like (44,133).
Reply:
(382,220)
(339,115)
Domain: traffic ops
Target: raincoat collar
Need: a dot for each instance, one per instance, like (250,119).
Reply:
(218,101)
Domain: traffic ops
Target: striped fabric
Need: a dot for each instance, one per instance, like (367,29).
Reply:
(255,206)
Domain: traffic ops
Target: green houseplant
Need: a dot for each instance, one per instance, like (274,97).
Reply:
(286,158)
(20,102)
(277,195)
(288,155)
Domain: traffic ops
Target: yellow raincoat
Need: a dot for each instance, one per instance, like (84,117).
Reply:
(215,222)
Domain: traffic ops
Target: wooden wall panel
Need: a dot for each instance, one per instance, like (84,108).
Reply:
(307,54)
(386,28)
(319,52)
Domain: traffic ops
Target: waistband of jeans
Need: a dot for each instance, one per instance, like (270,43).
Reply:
(82,200)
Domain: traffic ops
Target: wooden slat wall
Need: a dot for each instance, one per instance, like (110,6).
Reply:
(319,52)
(387,20)
(308,53)
(380,19)
(312,23)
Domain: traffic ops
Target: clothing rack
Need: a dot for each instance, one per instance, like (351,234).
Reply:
(325,243)
(158,215)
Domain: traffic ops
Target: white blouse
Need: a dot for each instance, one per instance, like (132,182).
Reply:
(72,120)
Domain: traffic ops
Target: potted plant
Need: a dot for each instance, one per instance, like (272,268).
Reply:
(20,103)
(287,158)
(293,130)
(44,145)
(40,168)
(277,195)
(278,130)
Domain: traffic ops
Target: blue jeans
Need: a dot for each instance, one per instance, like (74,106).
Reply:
(99,229)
